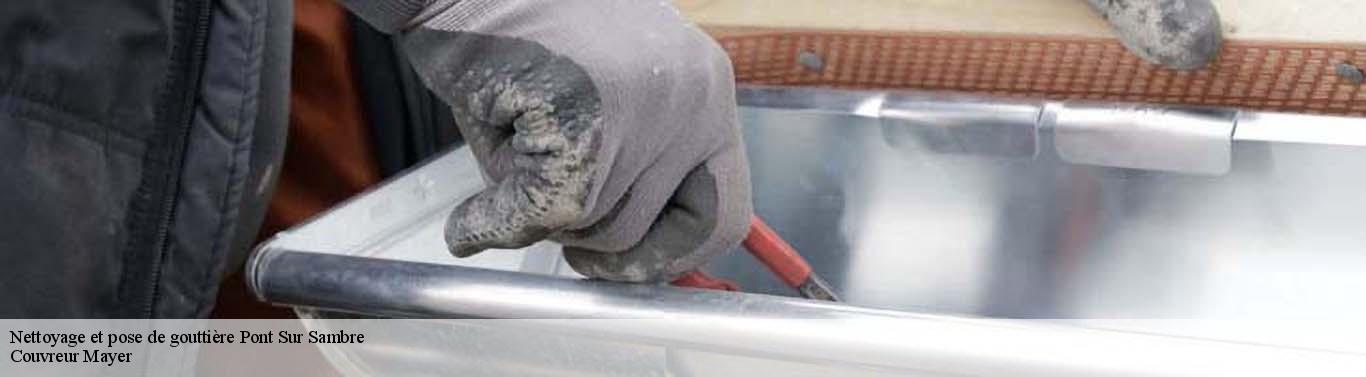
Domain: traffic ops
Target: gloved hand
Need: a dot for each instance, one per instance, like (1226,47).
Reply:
(1181,34)
(608,126)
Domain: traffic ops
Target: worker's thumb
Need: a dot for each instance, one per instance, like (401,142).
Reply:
(513,213)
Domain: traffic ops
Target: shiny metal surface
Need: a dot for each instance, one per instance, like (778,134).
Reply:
(947,123)
(424,290)
(904,226)
(1197,141)
(1185,140)
(1300,129)
(924,203)
(924,346)
(896,219)
(578,327)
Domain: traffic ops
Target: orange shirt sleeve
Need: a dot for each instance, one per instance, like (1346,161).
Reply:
(330,155)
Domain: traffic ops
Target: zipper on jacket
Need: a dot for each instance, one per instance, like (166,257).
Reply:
(147,252)
(188,85)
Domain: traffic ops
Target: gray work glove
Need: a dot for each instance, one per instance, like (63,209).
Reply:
(608,126)
(1181,34)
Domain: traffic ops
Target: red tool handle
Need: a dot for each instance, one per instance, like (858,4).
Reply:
(762,242)
(699,279)
(776,254)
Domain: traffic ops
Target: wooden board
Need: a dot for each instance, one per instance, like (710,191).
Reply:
(1325,21)
(1278,55)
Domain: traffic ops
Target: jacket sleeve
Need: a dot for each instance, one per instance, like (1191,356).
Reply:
(391,16)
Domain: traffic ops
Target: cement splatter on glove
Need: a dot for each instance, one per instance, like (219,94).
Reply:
(608,126)
(1181,34)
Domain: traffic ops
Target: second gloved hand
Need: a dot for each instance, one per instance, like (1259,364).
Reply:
(1181,34)
(608,126)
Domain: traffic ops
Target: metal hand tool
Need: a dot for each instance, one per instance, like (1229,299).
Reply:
(780,258)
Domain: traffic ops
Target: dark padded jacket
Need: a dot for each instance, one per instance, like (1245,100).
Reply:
(139,140)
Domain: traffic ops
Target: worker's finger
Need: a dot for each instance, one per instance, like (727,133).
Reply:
(632,215)
(707,215)
(543,190)
(516,212)
(534,119)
